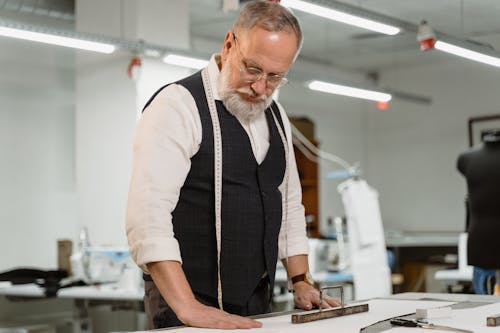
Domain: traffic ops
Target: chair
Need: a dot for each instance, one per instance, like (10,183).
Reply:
(463,274)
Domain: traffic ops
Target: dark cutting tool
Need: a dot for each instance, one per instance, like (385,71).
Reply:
(424,324)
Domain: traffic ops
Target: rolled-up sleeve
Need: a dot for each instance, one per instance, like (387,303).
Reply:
(292,238)
(166,137)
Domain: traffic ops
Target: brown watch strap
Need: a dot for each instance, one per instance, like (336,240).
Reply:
(298,278)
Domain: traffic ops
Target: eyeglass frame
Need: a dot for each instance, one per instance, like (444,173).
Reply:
(259,73)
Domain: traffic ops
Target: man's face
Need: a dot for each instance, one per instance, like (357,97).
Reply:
(253,65)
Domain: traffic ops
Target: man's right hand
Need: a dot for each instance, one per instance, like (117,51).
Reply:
(174,287)
(200,315)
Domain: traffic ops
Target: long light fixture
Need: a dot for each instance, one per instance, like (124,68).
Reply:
(337,89)
(339,16)
(466,53)
(178,60)
(57,40)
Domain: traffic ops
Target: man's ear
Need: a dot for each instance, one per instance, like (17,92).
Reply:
(228,44)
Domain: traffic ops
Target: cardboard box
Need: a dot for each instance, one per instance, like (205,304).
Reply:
(64,249)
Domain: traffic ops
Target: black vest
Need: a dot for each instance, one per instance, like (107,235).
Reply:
(251,209)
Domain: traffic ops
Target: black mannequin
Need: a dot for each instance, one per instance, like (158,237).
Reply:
(481,168)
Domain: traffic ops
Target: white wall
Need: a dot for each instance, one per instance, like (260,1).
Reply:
(37,153)
(339,123)
(66,156)
(412,150)
(106,116)
(107,109)
(107,106)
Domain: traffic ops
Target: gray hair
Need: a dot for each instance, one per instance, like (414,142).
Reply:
(270,16)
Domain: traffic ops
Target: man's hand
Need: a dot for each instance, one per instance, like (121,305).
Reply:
(307,297)
(200,315)
(174,287)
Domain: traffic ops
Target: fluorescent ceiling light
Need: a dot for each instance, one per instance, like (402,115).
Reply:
(336,15)
(57,40)
(466,53)
(349,91)
(182,61)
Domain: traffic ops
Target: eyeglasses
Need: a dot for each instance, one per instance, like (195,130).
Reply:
(252,74)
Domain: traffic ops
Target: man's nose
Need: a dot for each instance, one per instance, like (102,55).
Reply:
(260,86)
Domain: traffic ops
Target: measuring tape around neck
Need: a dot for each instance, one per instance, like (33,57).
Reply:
(217,174)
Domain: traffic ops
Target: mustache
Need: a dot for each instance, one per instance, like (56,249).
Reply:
(251,93)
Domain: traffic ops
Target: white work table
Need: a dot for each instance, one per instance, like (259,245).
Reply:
(396,305)
(102,292)
(420,239)
(84,298)
(448,297)
(411,249)
(469,312)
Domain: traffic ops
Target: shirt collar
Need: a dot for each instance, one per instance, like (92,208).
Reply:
(213,73)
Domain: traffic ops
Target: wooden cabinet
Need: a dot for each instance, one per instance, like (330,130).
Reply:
(308,174)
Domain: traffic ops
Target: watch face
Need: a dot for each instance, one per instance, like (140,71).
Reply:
(309,279)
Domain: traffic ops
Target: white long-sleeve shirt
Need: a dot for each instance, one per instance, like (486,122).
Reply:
(166,137)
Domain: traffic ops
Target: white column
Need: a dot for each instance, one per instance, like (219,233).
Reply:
(106,108)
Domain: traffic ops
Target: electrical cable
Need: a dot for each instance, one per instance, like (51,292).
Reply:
(312,153)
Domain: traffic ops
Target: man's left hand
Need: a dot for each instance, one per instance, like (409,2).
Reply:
(307,297)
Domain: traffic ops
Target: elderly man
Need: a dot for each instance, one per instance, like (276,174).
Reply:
(215,197)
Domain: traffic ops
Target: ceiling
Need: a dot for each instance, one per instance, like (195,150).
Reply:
(350,48)
(328,43)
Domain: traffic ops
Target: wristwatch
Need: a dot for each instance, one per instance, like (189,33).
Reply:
(306,277)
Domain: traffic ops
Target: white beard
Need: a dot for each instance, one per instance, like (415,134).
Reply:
(235,104)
